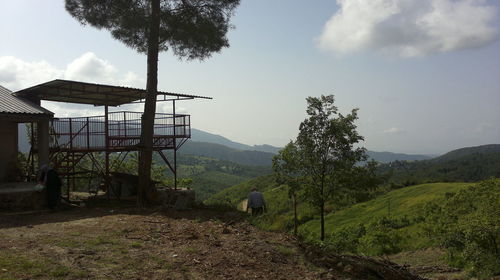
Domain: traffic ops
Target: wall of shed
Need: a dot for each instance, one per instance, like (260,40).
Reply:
(8,150)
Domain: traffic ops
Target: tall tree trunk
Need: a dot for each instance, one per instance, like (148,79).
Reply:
(295,220)
(322,209)
(322,221)
(146,190)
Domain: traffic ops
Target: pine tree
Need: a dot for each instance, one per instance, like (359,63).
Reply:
(192,29)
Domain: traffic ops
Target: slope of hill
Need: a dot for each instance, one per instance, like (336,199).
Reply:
(222,152)
(236,194)
(466,165)
(395,204)
(203,136)
(386,157)
(209,175)
(468,151)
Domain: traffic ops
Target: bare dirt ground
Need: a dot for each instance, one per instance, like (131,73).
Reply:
(127,243)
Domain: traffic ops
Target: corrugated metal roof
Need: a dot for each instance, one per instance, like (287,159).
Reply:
(10,104)
(90,93)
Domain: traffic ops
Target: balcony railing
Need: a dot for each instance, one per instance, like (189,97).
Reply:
(123,132)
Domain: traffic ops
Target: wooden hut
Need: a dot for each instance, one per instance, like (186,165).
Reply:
(15,110)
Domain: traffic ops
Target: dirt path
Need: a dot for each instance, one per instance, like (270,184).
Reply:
(106,243)
(110,244)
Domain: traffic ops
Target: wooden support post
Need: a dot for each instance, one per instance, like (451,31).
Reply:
(43,142)
(106,153)
(69,162)
(175,149)
(88,134)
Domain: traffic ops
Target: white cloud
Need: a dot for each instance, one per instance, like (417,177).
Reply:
(64,110)
(394,130)
(16,74)
(89,67)
(409,27)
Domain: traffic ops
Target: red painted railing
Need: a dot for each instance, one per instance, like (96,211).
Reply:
(124,131)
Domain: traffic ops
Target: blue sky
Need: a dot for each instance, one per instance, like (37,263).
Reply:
(424,73)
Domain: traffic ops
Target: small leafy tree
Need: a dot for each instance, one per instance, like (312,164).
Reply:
(287,167)
(193,29)
(328,156)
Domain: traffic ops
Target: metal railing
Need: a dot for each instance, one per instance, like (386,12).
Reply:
(124,131)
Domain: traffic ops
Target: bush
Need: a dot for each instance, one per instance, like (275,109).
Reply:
(346,240)
(380,239)
(467,226)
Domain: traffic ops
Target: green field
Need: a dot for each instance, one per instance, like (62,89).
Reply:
(398,203)
(406,202)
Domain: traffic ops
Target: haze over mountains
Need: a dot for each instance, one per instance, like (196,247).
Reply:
(202,136)
(211,145)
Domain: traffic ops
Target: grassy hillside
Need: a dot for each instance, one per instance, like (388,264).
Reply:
(236,194)
(402,204)
(397,204)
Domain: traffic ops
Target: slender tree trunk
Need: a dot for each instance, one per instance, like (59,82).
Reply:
(322,209)
(146,190)
(322,221)
(295,220)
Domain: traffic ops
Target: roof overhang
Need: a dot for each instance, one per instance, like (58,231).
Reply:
(24,118)
(94,94)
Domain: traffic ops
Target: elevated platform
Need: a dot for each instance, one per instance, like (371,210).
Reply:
(116,132)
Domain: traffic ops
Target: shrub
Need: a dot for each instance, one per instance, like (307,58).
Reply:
(380,239)
(347,239)
(467,226)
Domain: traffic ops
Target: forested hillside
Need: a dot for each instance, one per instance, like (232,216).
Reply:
(222,152)
(462,165)
(209,176)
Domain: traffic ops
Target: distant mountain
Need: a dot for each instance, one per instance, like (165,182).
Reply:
(222,152)
(461,165)
(478,150)
(203,136)
(386,157)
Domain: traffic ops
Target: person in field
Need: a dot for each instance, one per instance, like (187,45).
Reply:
(256,202)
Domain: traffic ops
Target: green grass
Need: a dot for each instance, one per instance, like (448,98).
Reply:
(284,250)
(16,266)
(395,204)
(402,203)
(235,194)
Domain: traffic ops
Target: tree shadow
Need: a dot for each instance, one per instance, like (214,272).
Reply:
(102,207)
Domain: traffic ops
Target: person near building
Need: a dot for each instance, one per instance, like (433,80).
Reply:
(50,179)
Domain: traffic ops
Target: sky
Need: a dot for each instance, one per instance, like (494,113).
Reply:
(425,74)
